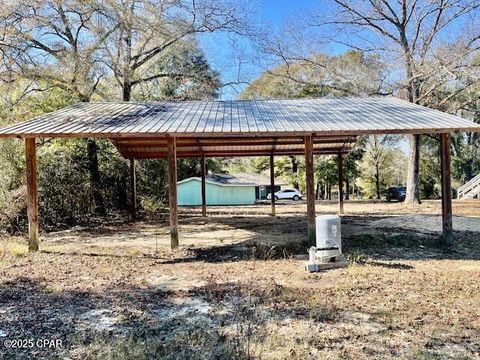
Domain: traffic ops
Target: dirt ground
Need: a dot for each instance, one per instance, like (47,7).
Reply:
(237,288)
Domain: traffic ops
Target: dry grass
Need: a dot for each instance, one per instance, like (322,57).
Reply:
(108,295)
(12,247)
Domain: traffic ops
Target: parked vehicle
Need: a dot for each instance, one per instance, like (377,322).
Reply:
(396,193)
(292,194)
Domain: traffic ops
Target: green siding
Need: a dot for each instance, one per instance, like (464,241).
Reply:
(190,193)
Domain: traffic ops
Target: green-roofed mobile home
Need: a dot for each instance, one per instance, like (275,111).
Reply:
(220,190)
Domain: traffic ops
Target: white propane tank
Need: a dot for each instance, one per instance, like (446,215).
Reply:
(328,252)
(329,235)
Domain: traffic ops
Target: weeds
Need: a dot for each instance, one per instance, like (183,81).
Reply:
(13,248)
(357,258)
(195,341)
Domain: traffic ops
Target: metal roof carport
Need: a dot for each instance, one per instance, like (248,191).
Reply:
(171,130)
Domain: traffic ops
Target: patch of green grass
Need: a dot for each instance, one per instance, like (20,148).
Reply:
(12,247)
(357,258)
(18,250)
(134,252)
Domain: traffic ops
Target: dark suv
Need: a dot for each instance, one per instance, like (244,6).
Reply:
(396,193)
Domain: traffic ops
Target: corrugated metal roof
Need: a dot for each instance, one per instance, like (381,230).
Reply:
(221,179)
(323,116)
(241,179)
(259,179)
(227,179)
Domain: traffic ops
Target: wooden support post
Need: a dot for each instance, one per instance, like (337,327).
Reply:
(340,183)
(133,188)
(272,184)
(310,189)
(172,186)
(203,170)
(447,237)
(32,194)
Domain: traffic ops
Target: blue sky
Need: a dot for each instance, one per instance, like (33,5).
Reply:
(277,10)
(224,51)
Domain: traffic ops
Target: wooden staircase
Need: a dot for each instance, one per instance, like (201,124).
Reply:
(470,189)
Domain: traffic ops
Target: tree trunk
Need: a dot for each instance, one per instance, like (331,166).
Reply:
(127,89)
(317,191)
(320,190)
(377,181)
(122,196)
(95,181)
(347,188)
(294,162)
(413,172)
(127,81)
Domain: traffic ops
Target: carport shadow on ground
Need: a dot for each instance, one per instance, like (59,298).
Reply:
(220,238)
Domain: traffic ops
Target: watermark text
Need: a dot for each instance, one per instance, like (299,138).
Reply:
(31,343)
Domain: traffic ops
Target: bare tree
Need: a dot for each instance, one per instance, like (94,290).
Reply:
(298,59)
(74,44)
(411,33)
(49,42)
(145,29)
(415,38)
(352,73)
